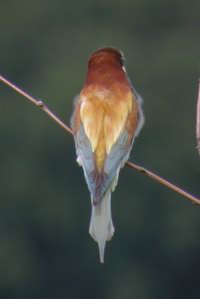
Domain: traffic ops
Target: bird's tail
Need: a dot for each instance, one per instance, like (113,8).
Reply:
(101,225)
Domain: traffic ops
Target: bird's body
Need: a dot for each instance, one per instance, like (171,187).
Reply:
(106,118)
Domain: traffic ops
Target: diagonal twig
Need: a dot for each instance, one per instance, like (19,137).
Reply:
(146,172)
(164,182)
(38,103)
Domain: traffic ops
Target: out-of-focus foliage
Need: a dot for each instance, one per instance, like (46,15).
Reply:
(45,249)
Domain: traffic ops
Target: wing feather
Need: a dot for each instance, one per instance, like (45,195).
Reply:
(115,120)
(92,114)
(120,124)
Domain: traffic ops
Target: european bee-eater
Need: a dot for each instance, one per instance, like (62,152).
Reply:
(106,119)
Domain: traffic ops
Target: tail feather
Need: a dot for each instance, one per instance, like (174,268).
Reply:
(101,225)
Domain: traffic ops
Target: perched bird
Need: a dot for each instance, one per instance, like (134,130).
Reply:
(106,119)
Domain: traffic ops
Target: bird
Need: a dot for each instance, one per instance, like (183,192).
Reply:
(107,117)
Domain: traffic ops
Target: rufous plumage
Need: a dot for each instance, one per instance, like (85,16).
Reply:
(106,119)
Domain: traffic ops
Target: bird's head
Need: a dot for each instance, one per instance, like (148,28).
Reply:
(106,69)
(106,56)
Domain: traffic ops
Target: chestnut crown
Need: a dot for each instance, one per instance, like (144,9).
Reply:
(105,55)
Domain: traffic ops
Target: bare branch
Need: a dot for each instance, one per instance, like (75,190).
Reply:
(37,103)
(164,182)
(198,121)
(146,172)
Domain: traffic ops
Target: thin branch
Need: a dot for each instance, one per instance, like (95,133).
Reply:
(163,182)
(146,172)
(37,103)
(198,121)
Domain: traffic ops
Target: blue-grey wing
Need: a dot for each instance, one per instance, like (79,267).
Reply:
(98,183)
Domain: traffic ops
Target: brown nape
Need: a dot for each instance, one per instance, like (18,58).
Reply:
(108,54)
(105,70)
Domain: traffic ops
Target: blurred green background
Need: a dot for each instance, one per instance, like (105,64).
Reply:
(45,248)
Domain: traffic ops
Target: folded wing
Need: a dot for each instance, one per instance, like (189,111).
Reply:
(103,138)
